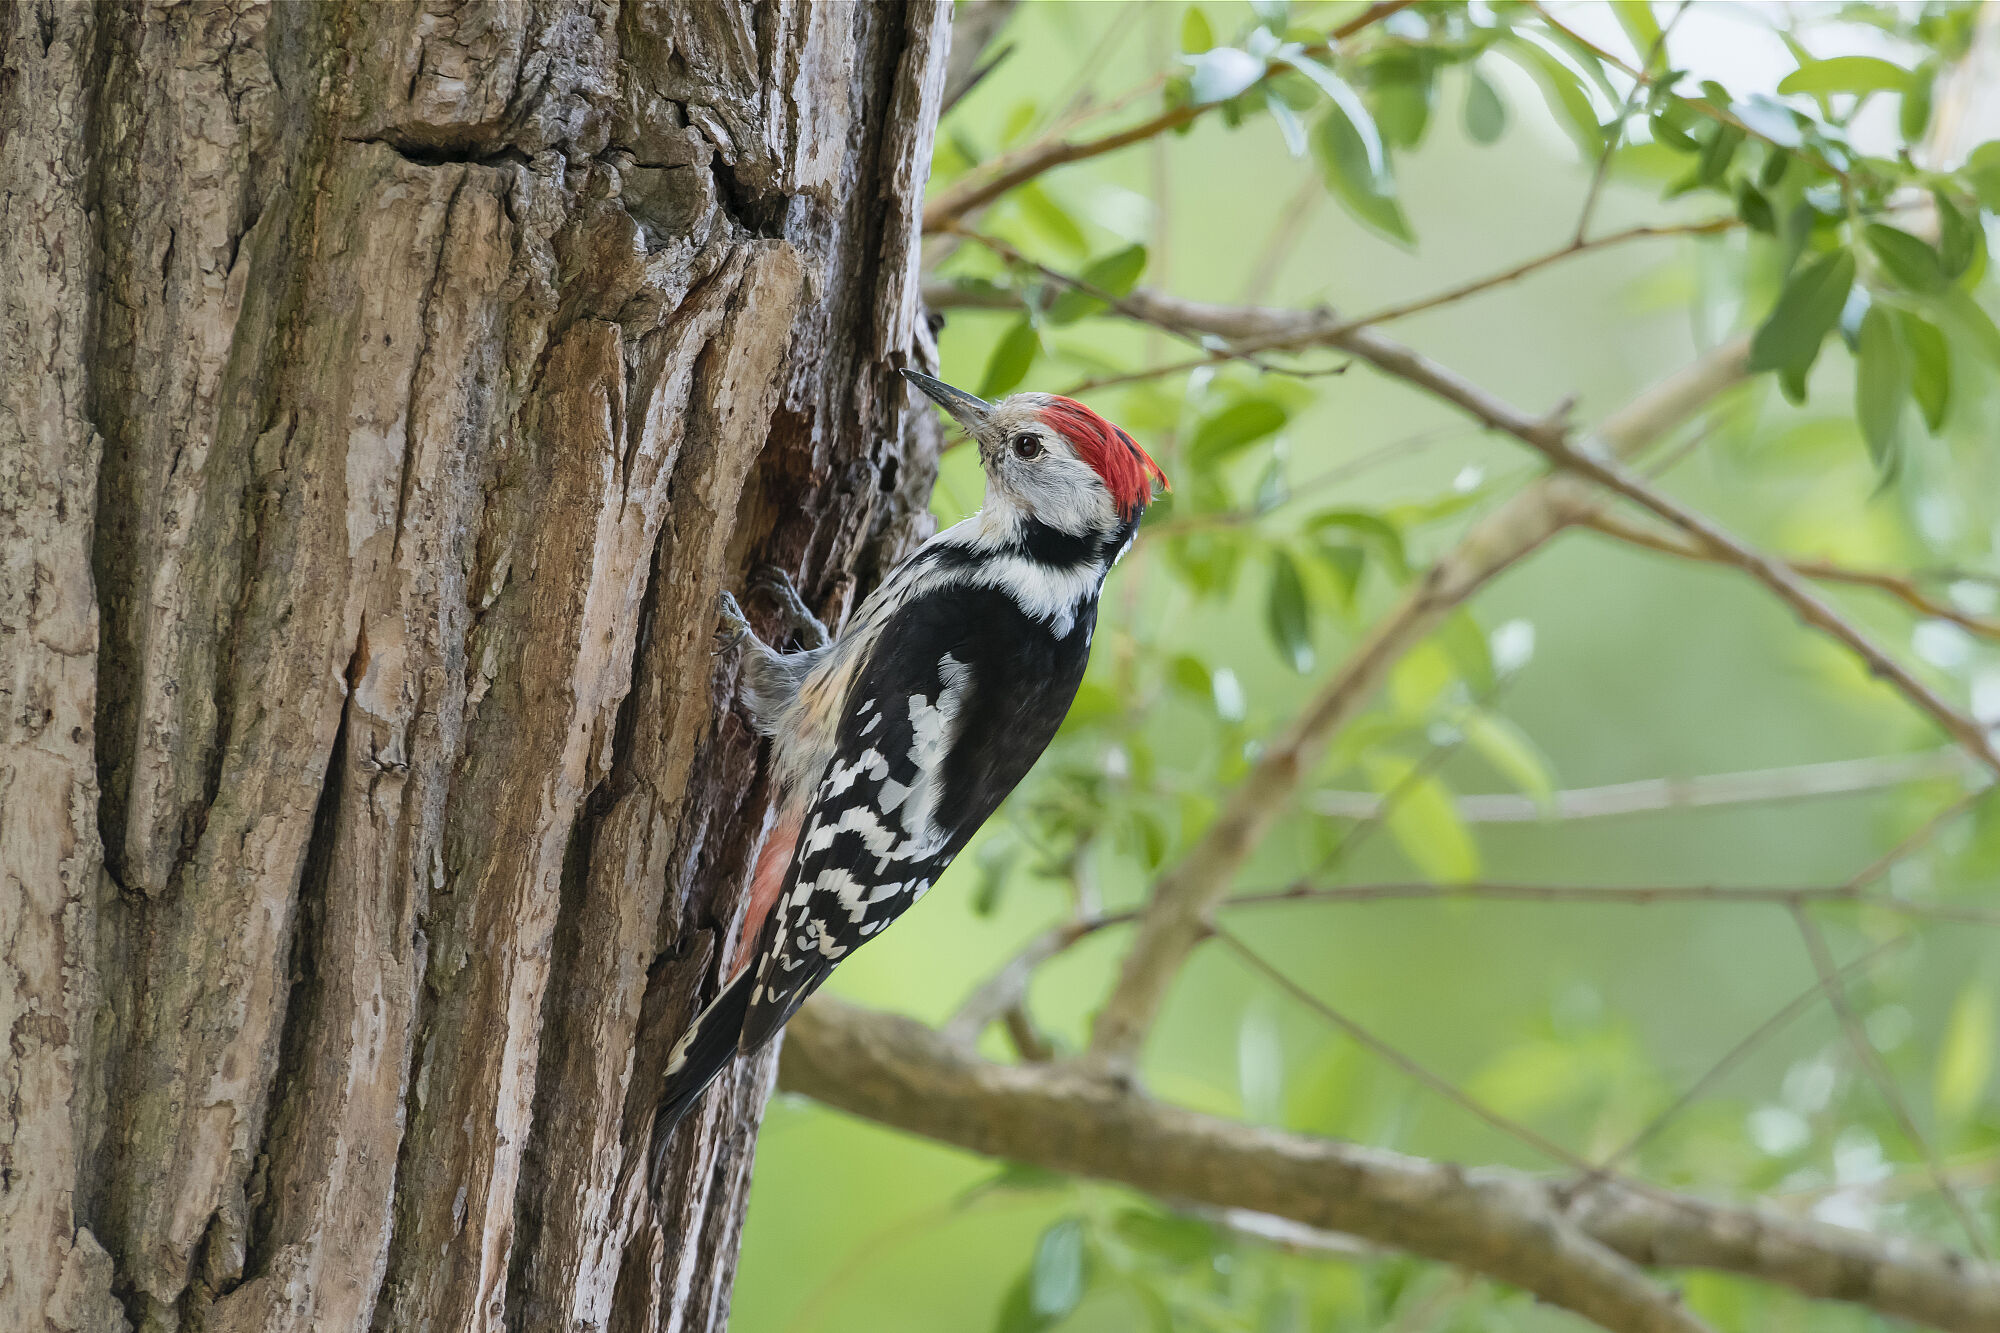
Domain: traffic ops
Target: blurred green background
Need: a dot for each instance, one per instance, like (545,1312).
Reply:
(1583,1021)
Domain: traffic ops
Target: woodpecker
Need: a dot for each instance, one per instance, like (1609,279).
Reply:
(895,741)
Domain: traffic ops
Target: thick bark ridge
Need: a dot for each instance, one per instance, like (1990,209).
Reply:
(389,389)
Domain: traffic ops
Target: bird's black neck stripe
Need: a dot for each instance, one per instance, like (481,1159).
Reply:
(1047,546)
(1062,550)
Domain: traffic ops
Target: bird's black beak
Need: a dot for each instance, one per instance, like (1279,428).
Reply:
(966,409)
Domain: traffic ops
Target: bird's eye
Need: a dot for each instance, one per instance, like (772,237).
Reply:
(1028,446)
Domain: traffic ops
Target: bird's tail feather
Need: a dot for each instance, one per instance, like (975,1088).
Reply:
(697,1058)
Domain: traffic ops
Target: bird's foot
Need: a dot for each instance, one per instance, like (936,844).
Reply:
(798,617)
(733,628)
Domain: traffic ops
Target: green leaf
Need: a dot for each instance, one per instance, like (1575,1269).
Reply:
(1930,367)
(1345,160)
(1056,1277)
(1288,614)
(1846,74)
(1348,102)
(1011,359)
(1222,72)
(1881,383)
(1018,123)
(1019,1178)
(1914,117)
(1564,89)
(1775,166)
(1806,312)
(995,863)
(1636,18)
(1958,236)
(1513,753)
(1346,564)
(1471,651)
(1050,218)
(1755,209)
(1401,92)
(1669,126)
(1386,536)
(1965,1056)
(1419,680)
(1234,428)
(1181,1241)
(1209,561)
(1982,173)
(1116,273)
(1718,153)
(1967,319)
(1910,261)
(1196,35)
(1423,819)
(1485,113)
(1189,675)
(1016,1315)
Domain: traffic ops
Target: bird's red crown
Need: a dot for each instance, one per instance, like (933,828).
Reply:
(1128,471)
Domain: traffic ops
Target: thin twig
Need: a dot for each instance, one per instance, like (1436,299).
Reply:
(1208,359)
(1405,447)
(974,25)
(1452,295)
(1285,234)
(943,295)
(1902,587)
(1590,461)
(1731,1058)
(1438,1083)
(1007,988)
(1721,115)
(1611,895)
(1878,1072)
(1617,136)
(1839,777)
(1174,919)
(1434,758)
(1918,839)
(1026,163)
(1973,1171)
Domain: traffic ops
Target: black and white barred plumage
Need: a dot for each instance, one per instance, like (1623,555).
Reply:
(896,741)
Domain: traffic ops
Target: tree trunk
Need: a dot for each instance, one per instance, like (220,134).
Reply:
(387,391)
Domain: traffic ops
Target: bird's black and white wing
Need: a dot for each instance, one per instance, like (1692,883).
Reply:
(959,696)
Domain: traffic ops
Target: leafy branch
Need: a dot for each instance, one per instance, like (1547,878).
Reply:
(1024,164)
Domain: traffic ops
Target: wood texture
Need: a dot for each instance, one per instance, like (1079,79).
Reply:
(390,389)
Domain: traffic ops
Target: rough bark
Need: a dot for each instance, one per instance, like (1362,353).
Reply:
(389,389)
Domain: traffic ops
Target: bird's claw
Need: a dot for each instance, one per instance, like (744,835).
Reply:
(733,627)
(798,617)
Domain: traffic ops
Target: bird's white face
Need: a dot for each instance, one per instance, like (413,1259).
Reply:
(1033,471)
(1032,468)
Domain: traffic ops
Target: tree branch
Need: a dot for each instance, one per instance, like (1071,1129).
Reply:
(985,185)
(1839,777)
(1644,895)
(1900,586)
(1879,1073)
(974,25)
(1596,459)
(1575,1250)
(1173,921)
